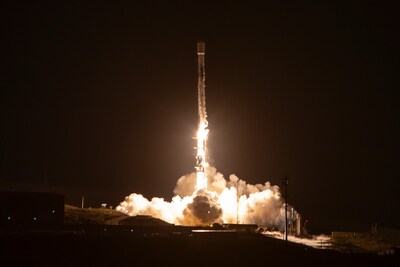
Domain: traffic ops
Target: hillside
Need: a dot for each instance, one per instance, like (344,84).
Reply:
(75,215)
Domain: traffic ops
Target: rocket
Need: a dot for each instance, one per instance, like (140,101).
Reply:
(201,87)
(202,133)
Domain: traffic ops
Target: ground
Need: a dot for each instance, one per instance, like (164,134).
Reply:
(93,243)
(216,249)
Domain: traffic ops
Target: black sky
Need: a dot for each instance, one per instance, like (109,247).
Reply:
(102,97)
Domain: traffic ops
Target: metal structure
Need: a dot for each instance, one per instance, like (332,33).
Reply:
(201,86)
(285,182)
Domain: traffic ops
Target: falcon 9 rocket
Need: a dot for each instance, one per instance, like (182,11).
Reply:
(202,133)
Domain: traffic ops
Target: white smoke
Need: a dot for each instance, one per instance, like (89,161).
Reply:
(233,201)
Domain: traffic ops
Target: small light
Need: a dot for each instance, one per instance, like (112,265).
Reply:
(131,230)
(9,218)
(52,211)
(34,218)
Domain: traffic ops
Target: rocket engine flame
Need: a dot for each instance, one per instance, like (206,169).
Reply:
(201,163)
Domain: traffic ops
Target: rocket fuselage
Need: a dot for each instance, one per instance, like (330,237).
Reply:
(201,87)
(202,133)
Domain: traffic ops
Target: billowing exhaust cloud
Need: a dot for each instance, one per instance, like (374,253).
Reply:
(232,201)
(203,210)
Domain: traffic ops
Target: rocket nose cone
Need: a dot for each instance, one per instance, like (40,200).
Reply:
(201,48)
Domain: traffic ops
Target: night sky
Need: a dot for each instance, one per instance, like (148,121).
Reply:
(100,99)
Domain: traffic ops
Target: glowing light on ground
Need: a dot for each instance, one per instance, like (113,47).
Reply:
(317,241)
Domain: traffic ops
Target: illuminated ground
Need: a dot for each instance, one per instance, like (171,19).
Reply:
(104,248)
(320,242)
(83,244)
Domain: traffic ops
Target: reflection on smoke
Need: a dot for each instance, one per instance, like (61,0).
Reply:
(232,201)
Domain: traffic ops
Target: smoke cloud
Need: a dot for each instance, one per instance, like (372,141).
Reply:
(224,201)
(202,211)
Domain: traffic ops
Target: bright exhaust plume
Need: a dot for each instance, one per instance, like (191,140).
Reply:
(225,201)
